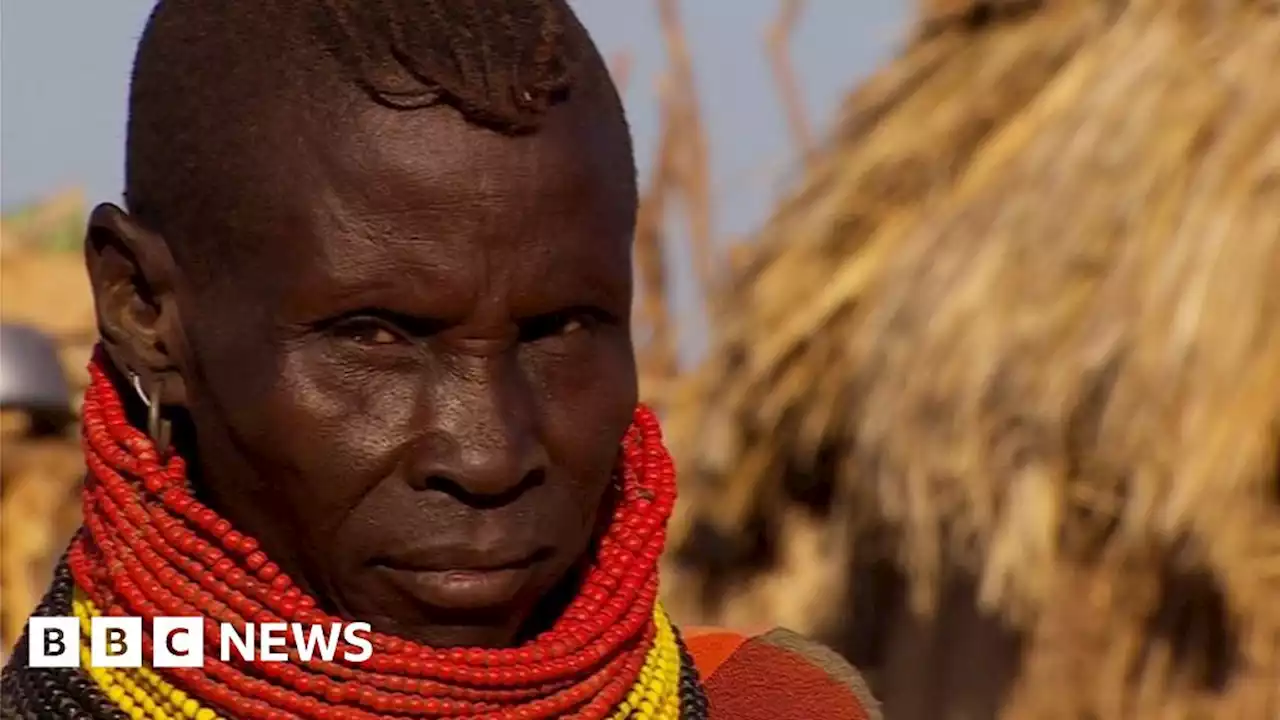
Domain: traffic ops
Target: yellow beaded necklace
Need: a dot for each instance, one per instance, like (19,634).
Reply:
(141,693)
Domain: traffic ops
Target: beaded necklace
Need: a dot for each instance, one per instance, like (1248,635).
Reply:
(149,548)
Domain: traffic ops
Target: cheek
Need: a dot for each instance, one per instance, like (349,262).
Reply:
(314,436)
(587,405)
(349,423)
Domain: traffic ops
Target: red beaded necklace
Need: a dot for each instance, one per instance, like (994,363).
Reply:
(150,548)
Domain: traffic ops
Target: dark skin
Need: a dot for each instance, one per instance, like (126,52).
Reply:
(412,385)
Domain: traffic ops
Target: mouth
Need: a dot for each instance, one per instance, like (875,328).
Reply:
(461,580)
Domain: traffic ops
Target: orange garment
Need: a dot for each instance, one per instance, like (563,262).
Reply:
(777,676)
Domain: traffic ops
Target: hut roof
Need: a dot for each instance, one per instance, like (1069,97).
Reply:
(1022,318)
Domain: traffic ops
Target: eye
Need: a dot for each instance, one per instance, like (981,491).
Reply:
(369,331)
(561,324)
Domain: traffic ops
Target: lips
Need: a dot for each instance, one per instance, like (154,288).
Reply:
(458,578)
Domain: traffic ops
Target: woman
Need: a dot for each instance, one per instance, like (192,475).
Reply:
(370,304)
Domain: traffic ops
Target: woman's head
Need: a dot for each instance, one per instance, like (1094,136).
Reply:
(378,255)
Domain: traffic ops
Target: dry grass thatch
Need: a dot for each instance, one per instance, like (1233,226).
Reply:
(1021,322)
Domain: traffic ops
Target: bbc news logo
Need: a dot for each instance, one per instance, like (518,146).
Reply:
(179,642)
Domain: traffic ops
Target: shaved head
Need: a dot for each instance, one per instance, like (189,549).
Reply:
(218,86)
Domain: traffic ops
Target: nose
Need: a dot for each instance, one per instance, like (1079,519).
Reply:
(481,438)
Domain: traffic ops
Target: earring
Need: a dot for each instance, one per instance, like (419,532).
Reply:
(157,427)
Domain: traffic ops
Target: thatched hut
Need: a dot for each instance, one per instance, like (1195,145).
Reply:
(995,403)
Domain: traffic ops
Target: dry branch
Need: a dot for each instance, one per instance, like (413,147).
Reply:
(680,178)
(778,43)
(694,170)
(657,352)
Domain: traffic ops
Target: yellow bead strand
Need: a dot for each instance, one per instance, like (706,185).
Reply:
(656,694)
(139,692)
(127,692)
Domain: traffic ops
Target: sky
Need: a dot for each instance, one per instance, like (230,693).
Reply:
(64,67)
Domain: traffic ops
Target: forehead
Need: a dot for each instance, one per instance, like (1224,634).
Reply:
(424,198)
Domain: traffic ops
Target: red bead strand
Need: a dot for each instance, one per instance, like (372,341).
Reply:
(223,614)
(202,515)
(149,548)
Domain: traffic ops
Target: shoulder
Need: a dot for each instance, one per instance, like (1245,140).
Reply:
(777,676)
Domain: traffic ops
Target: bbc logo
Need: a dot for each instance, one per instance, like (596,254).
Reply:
(115,642)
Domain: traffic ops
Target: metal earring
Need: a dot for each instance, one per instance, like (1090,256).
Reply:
(157,427)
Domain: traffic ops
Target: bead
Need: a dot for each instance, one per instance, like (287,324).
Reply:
(150,547)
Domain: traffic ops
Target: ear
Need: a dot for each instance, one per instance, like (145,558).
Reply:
(134,279)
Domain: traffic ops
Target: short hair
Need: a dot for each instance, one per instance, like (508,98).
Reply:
(207,72)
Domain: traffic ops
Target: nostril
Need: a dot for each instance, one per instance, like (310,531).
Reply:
(438,483)
(476,494)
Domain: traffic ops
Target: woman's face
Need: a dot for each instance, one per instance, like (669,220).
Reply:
(413,384)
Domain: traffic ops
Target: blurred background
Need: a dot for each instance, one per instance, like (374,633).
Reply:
(962,316)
